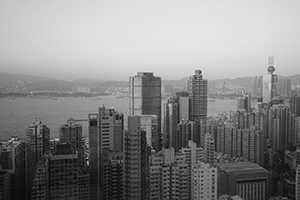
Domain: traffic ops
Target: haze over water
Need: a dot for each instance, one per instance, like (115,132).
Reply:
(16,115)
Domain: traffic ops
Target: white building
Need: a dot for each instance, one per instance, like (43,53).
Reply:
(204,182)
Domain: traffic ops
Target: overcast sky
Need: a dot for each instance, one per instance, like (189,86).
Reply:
(70,39)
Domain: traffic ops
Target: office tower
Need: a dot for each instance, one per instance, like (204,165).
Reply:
(209,148)
(105,134)
(257,86)
(295,105)
(135,156)
(72,133)
(168,175)
(184,104)
(145,99)
(12,165)
(269,83)
(170,122)
(297,189)
(197,89)
(245,179)
(284,86)
(253,145)
(204,182)
(63,173)
(113,167)
(40,188)
(37,144)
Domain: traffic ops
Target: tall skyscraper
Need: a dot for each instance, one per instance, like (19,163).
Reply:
(186,131)
(197,89)
(145,99)
(37,144)
(135,155)
(184,104)
(284,86)
(105,134)
(269,83)
(72,133)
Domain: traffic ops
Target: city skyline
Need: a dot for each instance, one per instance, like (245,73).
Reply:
(77,39)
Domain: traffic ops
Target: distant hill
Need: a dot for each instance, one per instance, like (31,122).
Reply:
(46,83)
(181,83)
(7,79)
(242,81)
(51,85)
(88,81)
(295,79)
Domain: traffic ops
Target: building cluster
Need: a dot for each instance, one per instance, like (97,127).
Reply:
(168,150)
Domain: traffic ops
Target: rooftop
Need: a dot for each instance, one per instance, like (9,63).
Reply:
(241,168)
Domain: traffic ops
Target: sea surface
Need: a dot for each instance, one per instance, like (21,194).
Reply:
(17,114)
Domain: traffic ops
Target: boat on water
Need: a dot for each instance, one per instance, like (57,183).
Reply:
(211,100)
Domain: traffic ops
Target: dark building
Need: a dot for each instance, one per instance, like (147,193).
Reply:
(72,133)
(105,134)
(135,155)
(37,144)
(197,89)
(245,179)
(145,99)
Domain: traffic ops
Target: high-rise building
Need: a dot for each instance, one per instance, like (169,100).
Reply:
(269,83)
(297,189)
(253,145)
(184,104)
(246,179)
(63,174)
(37,144)
(150,125)
(12,165)
(135,155)
(170,122)
(186,131)
(284,86)
(113,176)
(168,175)
(209,148)
(278,127)
(257,86)
(295,105)
(105,134)
(204,182)
(145,99)
(244,103)
(193,155)
(197,89)
(72,133)
(40,188)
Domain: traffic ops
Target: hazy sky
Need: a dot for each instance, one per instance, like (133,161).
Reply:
(70,39)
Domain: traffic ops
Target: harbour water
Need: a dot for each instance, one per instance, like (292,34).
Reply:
(17,114)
